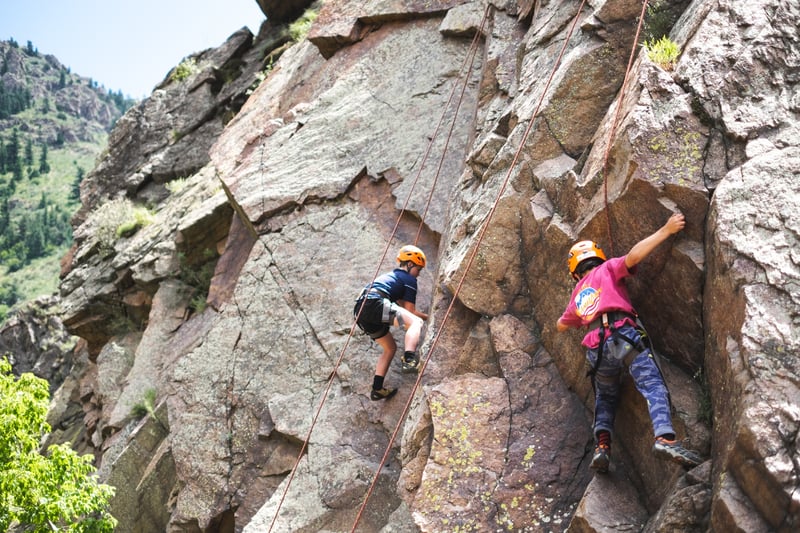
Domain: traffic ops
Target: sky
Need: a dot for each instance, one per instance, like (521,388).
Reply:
(127,46)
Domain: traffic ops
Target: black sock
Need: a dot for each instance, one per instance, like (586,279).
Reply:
(408,356)
(377,382)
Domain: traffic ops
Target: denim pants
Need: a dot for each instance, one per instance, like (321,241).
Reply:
(646,376)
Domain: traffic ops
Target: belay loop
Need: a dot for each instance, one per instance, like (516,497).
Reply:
(607,321)
(644,343)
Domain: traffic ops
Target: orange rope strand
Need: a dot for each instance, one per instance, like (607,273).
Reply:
(358,314)
(481,234)
(620,102)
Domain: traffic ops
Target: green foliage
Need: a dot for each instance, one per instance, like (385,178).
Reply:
(9,293)
(32,232)
(13,100)
(44,165)
(198,276)
(177,185)
(140,217)
(269,64)
(147,406)
(199,302)
(186,68)
(117,218)
(660,17)
(33,236)
(38,493)
(664,52)
(300,27)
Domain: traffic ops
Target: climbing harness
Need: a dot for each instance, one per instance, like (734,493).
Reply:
(630,348)
(607,322)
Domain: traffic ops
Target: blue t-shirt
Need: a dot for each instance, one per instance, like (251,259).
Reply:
(397,285)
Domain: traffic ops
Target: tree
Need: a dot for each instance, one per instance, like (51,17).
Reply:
(44,166)
(38,493)
(75,192)
(29,151)
(35,240)
(12,153)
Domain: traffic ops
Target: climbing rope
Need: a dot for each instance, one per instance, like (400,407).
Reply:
(468,62)
(479,240)
(614,124)
(471,59)
(481,234)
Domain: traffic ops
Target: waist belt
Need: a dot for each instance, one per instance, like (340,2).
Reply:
(372,290)
(610,318)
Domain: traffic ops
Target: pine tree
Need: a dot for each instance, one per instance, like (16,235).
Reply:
(13,163)
(34,237)
(76,185)
(29,152)
(44,166)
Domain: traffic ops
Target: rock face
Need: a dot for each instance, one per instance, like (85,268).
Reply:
(492,134)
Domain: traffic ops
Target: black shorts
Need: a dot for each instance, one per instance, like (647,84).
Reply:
(376,316)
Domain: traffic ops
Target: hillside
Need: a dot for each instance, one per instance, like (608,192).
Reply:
(53,125)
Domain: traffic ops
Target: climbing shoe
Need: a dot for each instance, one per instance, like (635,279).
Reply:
(602,452)
(601,458)
(409,363)
(672,450)
(382,394)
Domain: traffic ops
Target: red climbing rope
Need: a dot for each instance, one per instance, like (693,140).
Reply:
(620,102)
(470,54)
(471,59)
(474,252)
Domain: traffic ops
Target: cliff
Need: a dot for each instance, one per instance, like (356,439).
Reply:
(492,134)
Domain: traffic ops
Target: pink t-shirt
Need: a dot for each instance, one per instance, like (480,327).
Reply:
(602,290)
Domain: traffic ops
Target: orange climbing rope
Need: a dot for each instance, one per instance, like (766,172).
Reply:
(479,240)
(481,234)
(471,58)
(614,123)
(468,62)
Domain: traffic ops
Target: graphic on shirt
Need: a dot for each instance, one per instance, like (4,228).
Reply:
(587,302)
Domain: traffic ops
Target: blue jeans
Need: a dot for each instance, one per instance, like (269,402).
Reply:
(646,376)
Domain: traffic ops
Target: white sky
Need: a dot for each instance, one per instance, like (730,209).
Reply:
(127,46)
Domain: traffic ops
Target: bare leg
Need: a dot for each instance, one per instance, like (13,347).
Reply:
(413,325)
(389,347)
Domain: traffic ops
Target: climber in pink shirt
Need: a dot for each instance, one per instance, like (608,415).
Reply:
(615,340)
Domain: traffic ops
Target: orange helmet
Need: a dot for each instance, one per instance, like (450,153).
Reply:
(582,251)
(413,254)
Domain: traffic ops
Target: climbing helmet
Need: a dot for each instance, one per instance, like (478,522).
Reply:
(580,252)
(413,254)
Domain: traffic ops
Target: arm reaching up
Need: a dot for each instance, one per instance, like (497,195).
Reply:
(643,248)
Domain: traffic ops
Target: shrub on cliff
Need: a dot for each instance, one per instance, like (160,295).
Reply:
(56,492)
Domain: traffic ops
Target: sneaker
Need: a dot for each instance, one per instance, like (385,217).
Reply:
(672,450)
(410,364)
(382,394)
(601,458)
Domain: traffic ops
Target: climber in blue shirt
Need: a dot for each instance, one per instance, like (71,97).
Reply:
(390,300)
